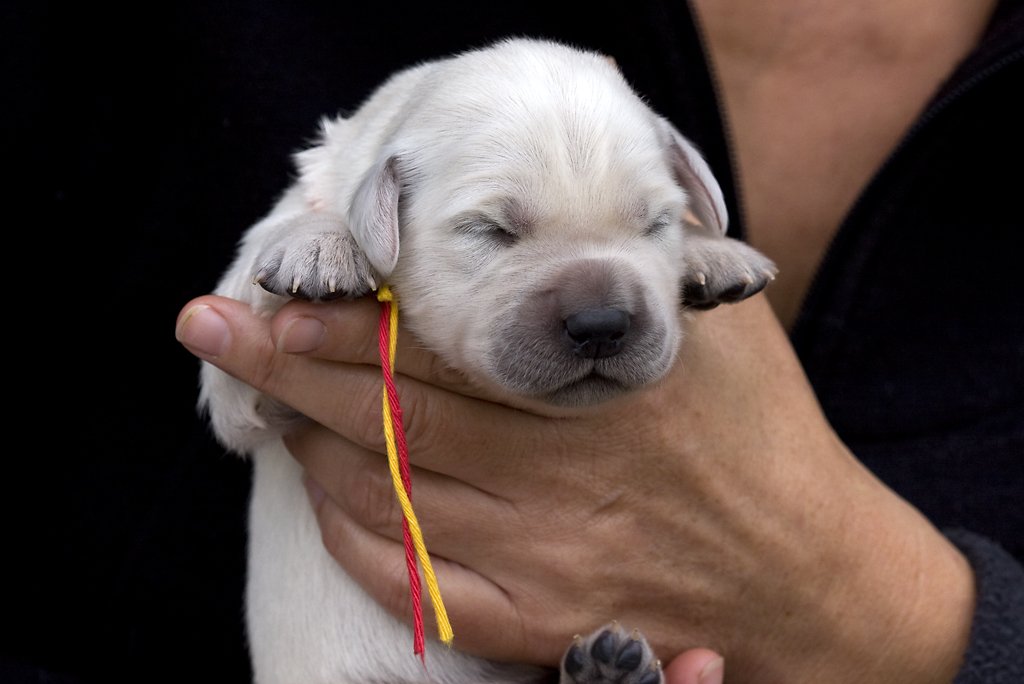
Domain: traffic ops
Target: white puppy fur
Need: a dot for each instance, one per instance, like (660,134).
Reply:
(528,209)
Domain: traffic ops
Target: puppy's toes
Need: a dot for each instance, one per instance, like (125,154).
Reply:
(611,655)
(723,271)
(318,267)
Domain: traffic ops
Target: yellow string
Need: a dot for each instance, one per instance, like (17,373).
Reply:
(444,628)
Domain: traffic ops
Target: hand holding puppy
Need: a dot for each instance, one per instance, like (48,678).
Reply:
(716,508)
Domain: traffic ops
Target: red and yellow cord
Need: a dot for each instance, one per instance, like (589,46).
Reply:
(398,463)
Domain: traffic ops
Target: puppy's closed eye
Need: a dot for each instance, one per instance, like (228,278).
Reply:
(659,224)
(486,228)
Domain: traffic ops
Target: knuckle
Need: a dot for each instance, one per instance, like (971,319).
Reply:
(394,593)
(424,420)
(372,499)
(368,428)
(263,371)
(333,534)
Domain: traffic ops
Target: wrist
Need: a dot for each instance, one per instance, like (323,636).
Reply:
(931,598)
(895,599)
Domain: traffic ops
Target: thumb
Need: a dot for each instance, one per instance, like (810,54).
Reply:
(696,666)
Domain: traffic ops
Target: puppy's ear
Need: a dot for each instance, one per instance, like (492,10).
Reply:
(373,216)
(694,175)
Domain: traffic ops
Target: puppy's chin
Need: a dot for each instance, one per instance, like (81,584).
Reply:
(562,382)
(572,397)
(589,390)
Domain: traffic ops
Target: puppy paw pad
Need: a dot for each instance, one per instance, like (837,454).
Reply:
(611,655)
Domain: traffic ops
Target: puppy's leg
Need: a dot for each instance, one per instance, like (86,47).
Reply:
(721,270)
(608,656)
(296,251)
(313,256)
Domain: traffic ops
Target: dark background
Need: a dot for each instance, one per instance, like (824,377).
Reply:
(143,141)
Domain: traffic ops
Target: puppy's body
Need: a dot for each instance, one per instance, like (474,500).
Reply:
(539,205)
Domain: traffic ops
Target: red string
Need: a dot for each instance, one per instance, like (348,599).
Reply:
(403,462)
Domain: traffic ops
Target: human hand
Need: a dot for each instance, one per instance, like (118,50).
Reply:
(715,508)
(696,666)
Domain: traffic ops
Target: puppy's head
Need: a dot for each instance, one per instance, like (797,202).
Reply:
(539,206)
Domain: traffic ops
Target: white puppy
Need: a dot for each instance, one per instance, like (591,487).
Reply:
(528,209)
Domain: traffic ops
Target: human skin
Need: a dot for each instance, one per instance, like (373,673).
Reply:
(714,509)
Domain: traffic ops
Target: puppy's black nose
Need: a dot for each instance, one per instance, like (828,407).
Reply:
(597,333)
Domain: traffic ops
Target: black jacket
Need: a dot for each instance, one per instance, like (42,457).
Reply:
(148,139)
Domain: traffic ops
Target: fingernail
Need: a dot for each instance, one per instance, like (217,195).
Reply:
(301,334)
(314,491)
(713,672)
(203,330)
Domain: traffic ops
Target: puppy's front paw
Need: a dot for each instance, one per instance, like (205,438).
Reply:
(722,271)
(609,656)
(315,258)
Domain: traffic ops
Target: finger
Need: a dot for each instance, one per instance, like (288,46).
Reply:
(356,479)
(474,604)
(349,332)
(696,666)
(360,482)
(230,336)
(447,432)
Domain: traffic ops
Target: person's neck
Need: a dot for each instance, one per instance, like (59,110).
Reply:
(816,94)
(797,33)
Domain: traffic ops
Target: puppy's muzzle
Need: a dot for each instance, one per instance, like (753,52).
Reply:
(587,330)
(597,333)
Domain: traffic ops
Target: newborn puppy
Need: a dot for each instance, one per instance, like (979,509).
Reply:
(542,228)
